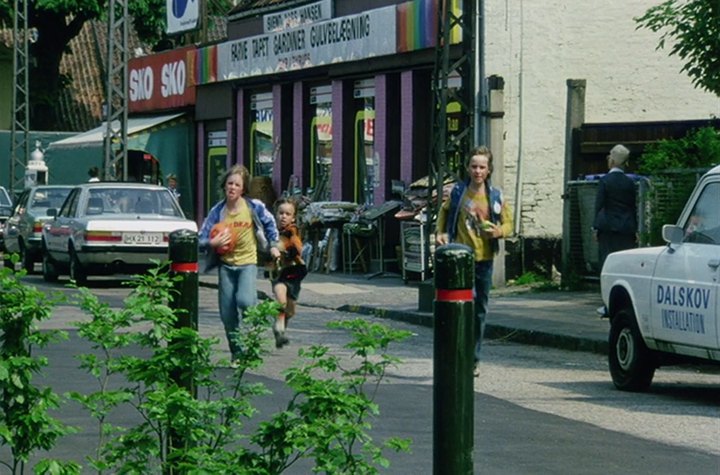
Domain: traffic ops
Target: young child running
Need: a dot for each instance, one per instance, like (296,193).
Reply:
(289,269)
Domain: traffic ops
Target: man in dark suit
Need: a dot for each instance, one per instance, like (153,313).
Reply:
(615,207)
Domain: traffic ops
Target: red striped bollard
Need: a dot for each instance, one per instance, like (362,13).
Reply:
(183,256)
(453,394)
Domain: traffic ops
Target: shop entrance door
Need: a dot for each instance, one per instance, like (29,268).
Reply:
(215,167)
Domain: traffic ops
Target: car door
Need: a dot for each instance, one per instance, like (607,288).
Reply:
(58,229)
(685,283)
(12,227)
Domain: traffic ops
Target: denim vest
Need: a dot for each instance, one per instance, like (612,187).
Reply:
(495,201)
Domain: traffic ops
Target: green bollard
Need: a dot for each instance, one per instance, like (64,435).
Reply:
(454,346)
(183,256)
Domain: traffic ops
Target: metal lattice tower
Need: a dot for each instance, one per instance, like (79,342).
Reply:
(19,147)
(116,151)
(450,149)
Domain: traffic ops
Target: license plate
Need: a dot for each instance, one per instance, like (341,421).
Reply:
(143,239)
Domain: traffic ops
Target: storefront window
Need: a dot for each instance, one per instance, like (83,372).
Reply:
(366,160)
(366,164)
(216,164)
(455,122)
(321,142)
(261,138)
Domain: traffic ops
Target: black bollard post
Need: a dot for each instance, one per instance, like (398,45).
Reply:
(453,402)
(183,256)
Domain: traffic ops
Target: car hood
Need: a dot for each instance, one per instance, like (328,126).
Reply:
(638,261)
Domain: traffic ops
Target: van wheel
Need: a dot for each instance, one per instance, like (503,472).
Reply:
(632,365)
(50,273)
(77,273)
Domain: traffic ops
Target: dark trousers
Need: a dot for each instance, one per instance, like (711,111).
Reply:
(609,242)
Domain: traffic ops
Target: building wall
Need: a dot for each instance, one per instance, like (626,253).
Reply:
(536,46)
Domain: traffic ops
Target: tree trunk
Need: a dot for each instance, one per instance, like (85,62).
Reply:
(45,80)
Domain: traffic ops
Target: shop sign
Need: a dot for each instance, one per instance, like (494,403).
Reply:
(182,15)
(160,81)
(294,17)
(348,38)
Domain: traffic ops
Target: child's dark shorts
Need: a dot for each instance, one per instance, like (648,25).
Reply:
(293,287)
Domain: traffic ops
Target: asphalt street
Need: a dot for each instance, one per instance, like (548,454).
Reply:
(520,427)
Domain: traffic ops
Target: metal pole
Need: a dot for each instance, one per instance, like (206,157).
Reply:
(453,403)
(19,147)
(183,255)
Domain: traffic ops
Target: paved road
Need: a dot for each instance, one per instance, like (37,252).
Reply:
(537,410)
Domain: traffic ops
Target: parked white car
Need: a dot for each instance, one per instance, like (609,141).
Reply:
(5,212)
(23,229)
(108,228)
(663,301)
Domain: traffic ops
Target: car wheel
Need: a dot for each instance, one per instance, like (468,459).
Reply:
(77,273)
(50,273)
(632,365)
(26,259)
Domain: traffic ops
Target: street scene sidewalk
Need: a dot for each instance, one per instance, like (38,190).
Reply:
(560,319)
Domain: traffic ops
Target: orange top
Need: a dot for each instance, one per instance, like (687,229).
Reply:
(290,245)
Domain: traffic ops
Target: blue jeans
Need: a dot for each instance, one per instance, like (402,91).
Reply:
(237,290)
(483,282)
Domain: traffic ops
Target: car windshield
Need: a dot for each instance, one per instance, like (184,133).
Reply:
(132,201)
(45,198)
(4,198)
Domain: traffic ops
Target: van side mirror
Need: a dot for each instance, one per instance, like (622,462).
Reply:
(672,234)
(52,212)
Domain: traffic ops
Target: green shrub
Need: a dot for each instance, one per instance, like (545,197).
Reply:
(673,167)
(326,419)
(700,148)
(25,423)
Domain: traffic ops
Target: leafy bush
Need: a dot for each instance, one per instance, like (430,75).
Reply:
(194,421)
(25,423)
(700,148)
(674,167)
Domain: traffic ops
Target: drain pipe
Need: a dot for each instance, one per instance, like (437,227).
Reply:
(519,177)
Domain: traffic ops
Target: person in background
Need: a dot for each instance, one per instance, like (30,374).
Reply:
(615,225)
(172,184)
(237,266)
(475,214)
(94,174)
(289,270)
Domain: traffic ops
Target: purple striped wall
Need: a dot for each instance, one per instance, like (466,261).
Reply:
(240,128)
(299,137)
(407,113)
(277,152)
(338,111)
(200,164)
(381,140)
(230,134)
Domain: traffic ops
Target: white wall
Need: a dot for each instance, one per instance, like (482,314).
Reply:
(536,45)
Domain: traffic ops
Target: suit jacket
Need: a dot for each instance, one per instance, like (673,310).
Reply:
(615,204)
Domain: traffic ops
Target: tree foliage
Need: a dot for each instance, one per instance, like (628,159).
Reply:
(694,28)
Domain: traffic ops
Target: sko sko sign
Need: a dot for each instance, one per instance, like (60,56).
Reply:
(161,81)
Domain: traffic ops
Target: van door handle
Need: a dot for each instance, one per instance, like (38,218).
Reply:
(714,263)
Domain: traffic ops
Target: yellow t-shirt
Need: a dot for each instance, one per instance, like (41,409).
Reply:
(473,210)
(241,223)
